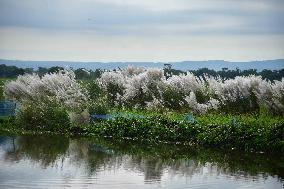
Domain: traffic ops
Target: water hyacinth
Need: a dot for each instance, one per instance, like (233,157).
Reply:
(149,88)
(60,87)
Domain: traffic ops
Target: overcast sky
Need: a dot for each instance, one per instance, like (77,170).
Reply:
(141,30)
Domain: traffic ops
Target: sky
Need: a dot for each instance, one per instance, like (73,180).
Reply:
(141,30)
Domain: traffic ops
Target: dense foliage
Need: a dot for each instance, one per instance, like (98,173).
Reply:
(244,132)
(245,112)
(2,82)
(151,89)
(49,102)
(60,87)
(13,71)
(44,116)
(225,131)
(231,74)
(81,73)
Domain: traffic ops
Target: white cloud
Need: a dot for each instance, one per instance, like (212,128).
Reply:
(175,5)
(113,30)
(19,43)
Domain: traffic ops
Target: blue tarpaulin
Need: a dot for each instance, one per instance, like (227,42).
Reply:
(96,117)
(7,108)
(190,118)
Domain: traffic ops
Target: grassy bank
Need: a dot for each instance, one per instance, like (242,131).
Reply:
(244,132)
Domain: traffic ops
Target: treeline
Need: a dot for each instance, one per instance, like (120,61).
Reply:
(228,74)
(82,73)
(14,71)
(231,74)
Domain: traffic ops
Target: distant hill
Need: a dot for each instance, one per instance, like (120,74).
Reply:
(185,65)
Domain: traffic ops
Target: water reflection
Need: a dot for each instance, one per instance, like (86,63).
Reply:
(40,149)
(97,160)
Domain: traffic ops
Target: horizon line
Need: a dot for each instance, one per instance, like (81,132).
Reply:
(106,62)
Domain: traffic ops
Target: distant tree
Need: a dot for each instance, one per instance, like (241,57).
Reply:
(29,70)
(96,74)
(11,71)
(167,66)
(168,70)
(55,69)
(224,69)
(82,73)
(41,71)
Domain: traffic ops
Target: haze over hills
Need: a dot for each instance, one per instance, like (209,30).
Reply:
(184,65)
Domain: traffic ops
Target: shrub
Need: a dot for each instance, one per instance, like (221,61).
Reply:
(60,86)
(140,88)
(98,98)
(43,116)
(1,89)
(99,106)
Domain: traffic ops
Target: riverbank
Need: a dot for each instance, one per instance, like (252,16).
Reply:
(242,132)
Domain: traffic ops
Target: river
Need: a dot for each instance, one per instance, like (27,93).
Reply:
(60,162)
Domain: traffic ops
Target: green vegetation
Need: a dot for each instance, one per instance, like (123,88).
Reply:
(2,82)
(229,74)
(81,73)
(13,71)
(224,131)
(1,89)
(245,113)
(244,132)
(52,117)
(226,73)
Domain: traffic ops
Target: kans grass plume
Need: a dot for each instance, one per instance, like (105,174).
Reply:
(141,88)
(60,87)
(151,89)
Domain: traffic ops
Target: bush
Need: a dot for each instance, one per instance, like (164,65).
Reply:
(2,83)
(43,116)
(143,88)
(98,99)
(99,107)
(60,86)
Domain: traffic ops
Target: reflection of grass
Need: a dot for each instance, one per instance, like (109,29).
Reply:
(43,149)
(152,159)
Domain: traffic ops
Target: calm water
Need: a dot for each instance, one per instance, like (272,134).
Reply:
(58,162)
